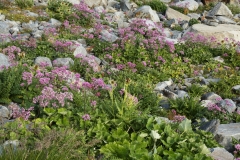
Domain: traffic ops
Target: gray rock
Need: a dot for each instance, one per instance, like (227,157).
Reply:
(192,5)
(162,85)
(176,34)
(108,36)
(99,9)
(30,14)
(173,14)
(30,26)
(169,94)
(194,15)
(122,24)
(4,61)
(83,42)
(211,23)
(2,17)
(228,105)
(113,3)
(206,103)
(147,12)
(37,34)
(4,28)
(224,134)
(125,5)
(40,60)
(226,20)
(210,96)
(220,9)
(220,154)
(209,80)
(185,25)
(210,126)
(236,88)
(63,62)
(4,112)
(80,50)
(219,59)
(182,94)
(118,16)
(171,22)
(165,1)
(55,22)
(162,17)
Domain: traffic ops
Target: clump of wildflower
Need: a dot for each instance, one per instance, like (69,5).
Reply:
(86,117)
(18,112)
(176,117)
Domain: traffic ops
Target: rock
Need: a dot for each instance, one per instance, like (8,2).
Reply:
(225,20)
(99,9)
(30,14)
(2,17)
(220,9)
(162,85)
(224,134)
(173,14)
(220,154)
(118,16)
(4,28)
(113,3)
(125,5)
(211,96)
(80,50)
(228,105)
(108,36)
(210,126)
(92,3)
(219,59)
(182,94)
(220,32)
(205,103)
(171,22)
(82,42)
(63,62)
(37,34)
(43,60)
(194,15)
(4,112)
(236,88)
(210,23)
(169,94)
(209,80)
(176,34)
(55,22)
(4,61)
(10,143)
(147,12)
(164,103)
(192,5)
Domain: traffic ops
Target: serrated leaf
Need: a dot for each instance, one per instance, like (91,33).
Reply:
(185,126)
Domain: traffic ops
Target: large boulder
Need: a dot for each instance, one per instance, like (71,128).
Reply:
(173,14)
(220,32)
(224,134)
(147,12)
(192,5)
(220,154)
(220,9)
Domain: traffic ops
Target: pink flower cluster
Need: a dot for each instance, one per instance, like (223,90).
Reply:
(11,52)
(49,97)
(62,46)
(89,62)
(177,117)
(17,112)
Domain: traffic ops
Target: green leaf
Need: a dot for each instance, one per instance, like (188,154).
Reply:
(49,111)
(185,126)
(204,149)
(62,111)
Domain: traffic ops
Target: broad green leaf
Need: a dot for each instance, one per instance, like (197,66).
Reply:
(185,126)
(49,111)
(62,111)
(143,135)
(204,149)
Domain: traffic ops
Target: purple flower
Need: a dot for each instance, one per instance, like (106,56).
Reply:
(86,117)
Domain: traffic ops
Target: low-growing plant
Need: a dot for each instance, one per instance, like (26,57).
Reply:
(24,3)
(157,5)
(177,27)
(193,21)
